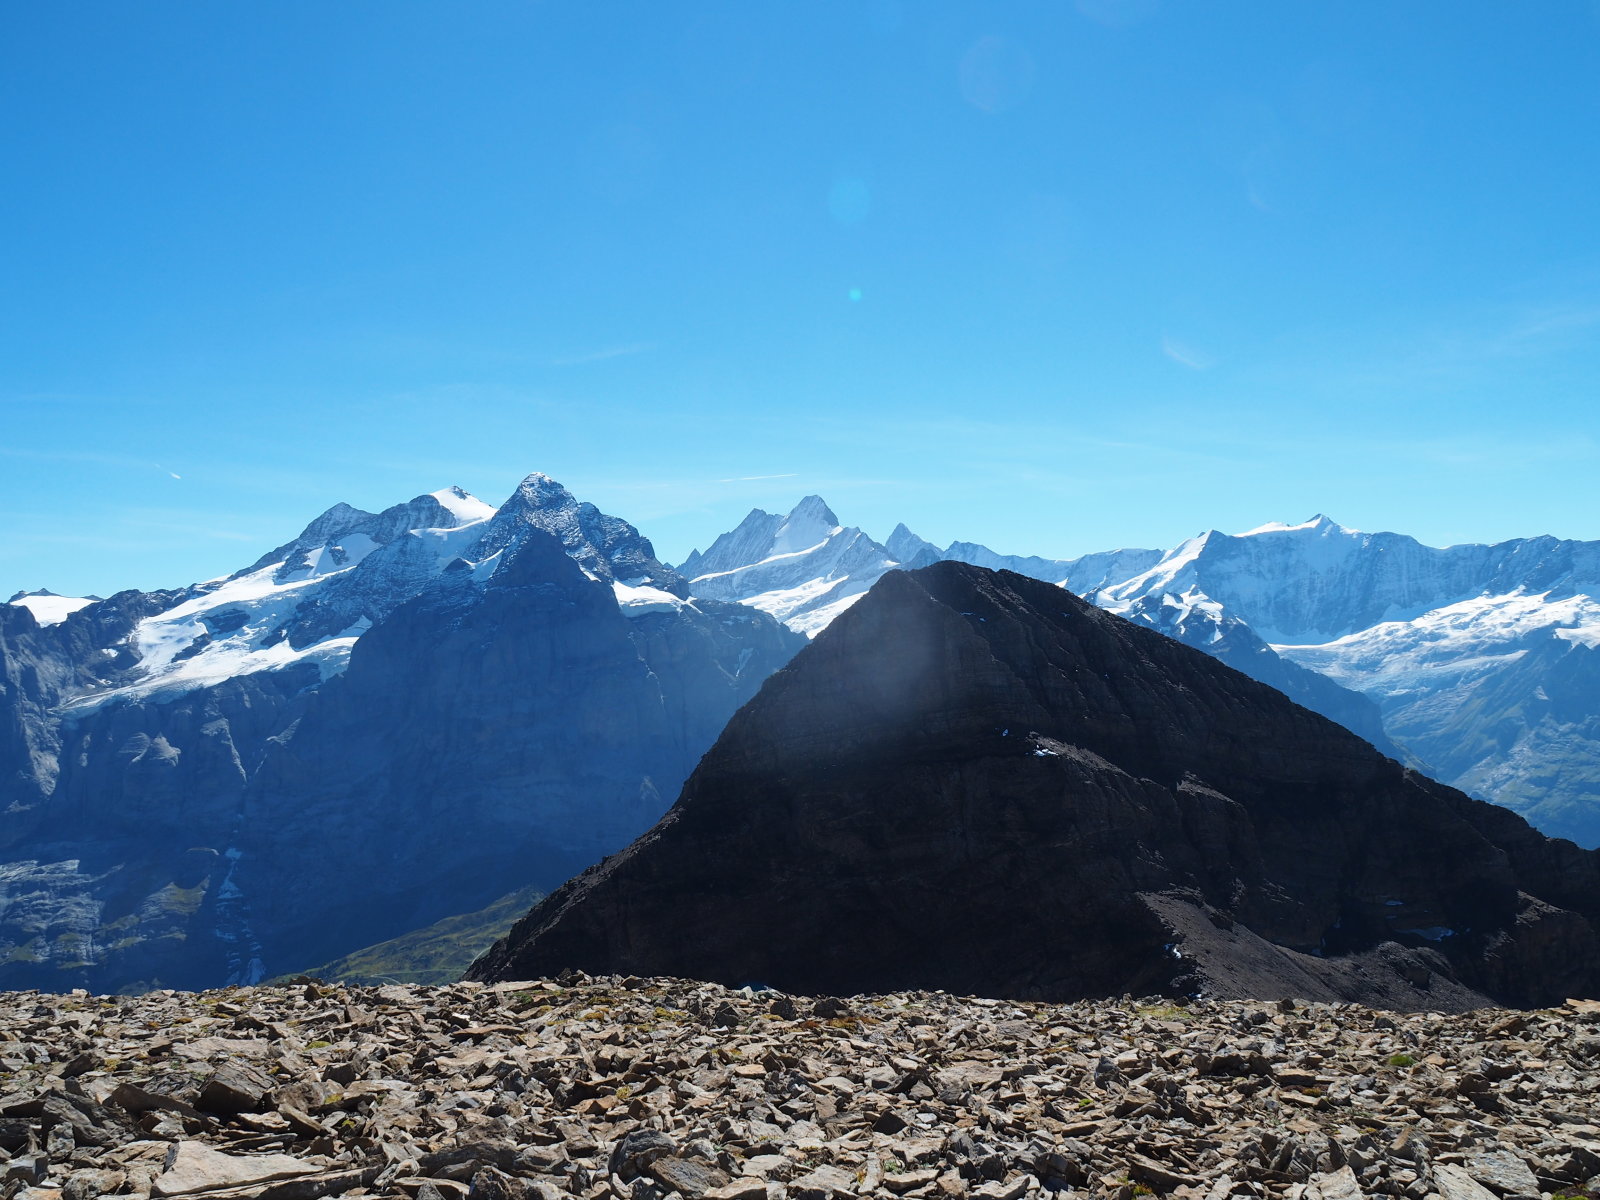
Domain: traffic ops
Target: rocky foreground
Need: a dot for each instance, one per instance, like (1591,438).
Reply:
(648,1088)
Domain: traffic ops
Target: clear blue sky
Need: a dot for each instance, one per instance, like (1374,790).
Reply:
(1052,276)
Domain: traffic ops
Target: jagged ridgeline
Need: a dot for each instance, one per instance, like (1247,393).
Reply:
(396,717)
(974,781)
(399,717)
(1479,664)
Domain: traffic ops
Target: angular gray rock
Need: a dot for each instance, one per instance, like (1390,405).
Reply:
(196,1167)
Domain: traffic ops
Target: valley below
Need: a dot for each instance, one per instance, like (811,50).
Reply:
(645,1089)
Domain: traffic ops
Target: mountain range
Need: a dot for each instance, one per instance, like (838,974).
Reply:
(1477,663)
(403,716)
(393,718)
(973,781)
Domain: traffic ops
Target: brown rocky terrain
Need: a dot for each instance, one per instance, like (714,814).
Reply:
(646,1089)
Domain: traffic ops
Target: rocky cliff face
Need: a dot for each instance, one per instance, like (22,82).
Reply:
(376,725)
(976,782)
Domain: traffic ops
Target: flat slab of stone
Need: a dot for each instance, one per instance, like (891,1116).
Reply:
(196,1167)
(1454,1183)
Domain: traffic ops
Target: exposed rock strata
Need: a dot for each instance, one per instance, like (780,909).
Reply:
(977,782)
(645,1089)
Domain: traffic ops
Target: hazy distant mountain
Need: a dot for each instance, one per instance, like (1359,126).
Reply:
(392,718)
(804,568)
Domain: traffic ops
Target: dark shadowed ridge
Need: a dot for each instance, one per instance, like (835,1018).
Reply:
(975,781)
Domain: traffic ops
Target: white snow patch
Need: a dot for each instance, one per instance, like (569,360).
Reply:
(635,600)
(765,562)
(817,619)
(809,607)
(1450,645)
(466,508)
(51,610)
(1586,636)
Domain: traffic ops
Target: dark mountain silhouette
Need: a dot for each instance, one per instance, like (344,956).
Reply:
(975,781)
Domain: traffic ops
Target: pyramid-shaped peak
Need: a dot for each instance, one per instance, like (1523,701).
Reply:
(808,524)
(814,510)
(907,547)
(538,490)
(974,781)
(334,523)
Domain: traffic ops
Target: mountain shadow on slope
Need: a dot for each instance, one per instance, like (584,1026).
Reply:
(975,781)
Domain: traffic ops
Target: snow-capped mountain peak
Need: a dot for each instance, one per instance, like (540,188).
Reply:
(803,568)
(353,530)
(309,600)
(606,547)
(808,524)
(1319,524)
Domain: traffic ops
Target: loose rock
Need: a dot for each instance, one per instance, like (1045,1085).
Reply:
(602,1088)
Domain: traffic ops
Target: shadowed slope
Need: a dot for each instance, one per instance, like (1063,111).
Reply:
(974,781)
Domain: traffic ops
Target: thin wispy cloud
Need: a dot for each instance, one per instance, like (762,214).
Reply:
(603,355)
(87,457)
(755,478)
(1550,328)
(1185,355)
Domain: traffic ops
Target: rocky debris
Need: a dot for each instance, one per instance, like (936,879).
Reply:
(655,1089)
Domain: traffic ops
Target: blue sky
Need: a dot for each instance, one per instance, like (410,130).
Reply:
(1051,276)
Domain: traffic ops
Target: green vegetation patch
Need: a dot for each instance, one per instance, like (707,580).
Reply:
(439,953)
